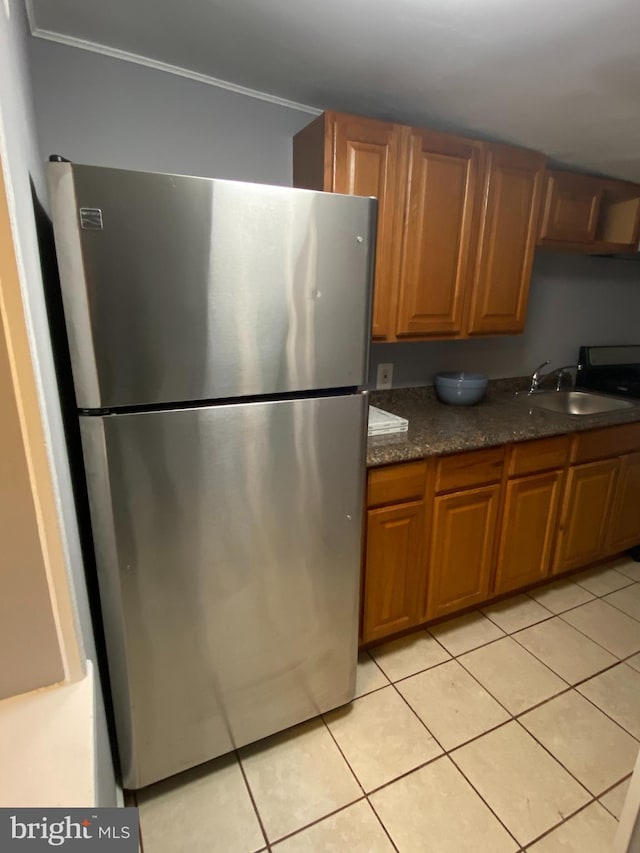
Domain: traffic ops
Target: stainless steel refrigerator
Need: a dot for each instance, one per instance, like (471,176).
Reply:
(219,337)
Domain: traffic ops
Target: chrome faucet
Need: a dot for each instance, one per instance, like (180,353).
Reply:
(561,371)
(537,376)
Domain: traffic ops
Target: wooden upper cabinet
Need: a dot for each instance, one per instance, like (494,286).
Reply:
(508,227)
(582,213)
(457,222)
(358,156)
(441,176)
(571,208)
(366,162)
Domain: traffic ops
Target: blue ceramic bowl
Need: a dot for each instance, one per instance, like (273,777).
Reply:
(459,388)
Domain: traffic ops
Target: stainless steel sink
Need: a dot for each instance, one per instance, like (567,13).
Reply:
(578,402)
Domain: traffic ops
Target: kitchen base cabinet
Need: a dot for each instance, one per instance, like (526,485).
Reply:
(624,527)
(393,576)
(461,554)
(528,527)
(461,529)
(585,513)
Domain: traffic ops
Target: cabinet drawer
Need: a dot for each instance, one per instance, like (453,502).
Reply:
(463,470)
(396,483)
(542,455)
(606,442)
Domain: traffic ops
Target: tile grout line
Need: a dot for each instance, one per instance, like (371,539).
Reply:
(555,758)
(306,826)
(569,579)
(564,820)
(542,702)
(555,695)
(483,608)
(629,582)
(593,798)
(448,753)
(371,657)
(563,693)
(524,627)
(570,686)
(608,791)
(580,631)
(561,615)
(512,717)
(421,671)
(339,748)
(602,711)
(619,609)
(252,798)
(515,718)
(411,674)
(445,754)
(346,760)
(582,680)
(366,795)
(473,648)
(381,822)
(479,795)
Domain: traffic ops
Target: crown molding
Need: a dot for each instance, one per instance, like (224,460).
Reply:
(125,56)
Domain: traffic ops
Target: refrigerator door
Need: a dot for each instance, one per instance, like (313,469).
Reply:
(228,550)
(186,289)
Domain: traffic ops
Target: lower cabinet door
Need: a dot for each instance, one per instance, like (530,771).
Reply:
(393,570)
(582,534)
(528,525)
(462,543)
(624,528)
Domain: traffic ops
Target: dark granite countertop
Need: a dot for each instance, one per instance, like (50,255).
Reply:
(501,418)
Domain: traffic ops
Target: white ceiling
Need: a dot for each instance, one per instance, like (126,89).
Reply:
(562,76)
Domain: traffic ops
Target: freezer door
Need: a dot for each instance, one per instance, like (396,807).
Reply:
(228,550)
(185,289)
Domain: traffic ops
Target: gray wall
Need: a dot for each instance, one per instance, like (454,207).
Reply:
(95,109)
(101,111)
(25,166)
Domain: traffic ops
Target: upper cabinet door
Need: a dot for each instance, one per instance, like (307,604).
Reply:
(508,225)
(441,175)
(571,207)
(365,162)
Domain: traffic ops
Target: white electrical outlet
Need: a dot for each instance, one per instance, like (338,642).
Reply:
(384,378)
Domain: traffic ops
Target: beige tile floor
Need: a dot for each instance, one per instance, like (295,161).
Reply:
(514,728)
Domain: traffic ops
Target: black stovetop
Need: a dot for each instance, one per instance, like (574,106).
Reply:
(610,369)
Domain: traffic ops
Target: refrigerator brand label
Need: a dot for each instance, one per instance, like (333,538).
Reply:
(91,218)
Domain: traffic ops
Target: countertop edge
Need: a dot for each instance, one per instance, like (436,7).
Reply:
(436,429)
